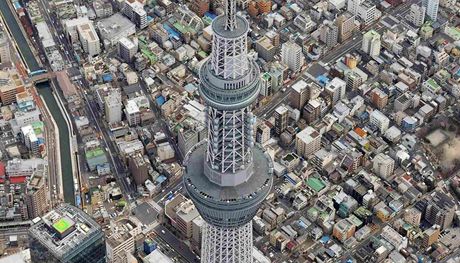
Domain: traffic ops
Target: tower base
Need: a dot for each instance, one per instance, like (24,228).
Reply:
(227,245)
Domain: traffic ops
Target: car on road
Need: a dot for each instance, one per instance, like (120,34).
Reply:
(163,232)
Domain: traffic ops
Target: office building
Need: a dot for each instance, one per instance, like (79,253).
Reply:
(23,167)
(354,80)
(265,48)
(70,27)
(440,209)
(430,236)
(383,165)
(121,239)
(281,119)
(139,166)
(353,6)
(343,230)
(417,15)
(431,7)
(5,52)
(187,137)
(278,72)
(379,120)
(114,27)
(102,8)
(346,26)
(181,211)
(368,12)
(379,98)
(200,7)
(134,10)
(127,49)
(312,110)
(307,142)
(36,194)
(66,234)
(89,39)
(329,34)
(266,84)
(31,140)
(299,94)
(413,216)
(336,89)
(292,56)
(197,231)
(371,43)
(224,172)
(158,34)
(10,85)
(263,132)
(133,109)
(112,106)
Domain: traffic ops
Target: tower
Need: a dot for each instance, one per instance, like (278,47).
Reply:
(227,176)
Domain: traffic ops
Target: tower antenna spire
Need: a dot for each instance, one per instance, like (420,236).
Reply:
(230,14)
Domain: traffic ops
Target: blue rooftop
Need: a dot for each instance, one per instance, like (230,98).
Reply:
(107,77)
(160,179)
(325,239)
(160,100)
(210,15)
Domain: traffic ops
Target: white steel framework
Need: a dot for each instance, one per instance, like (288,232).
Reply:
(230,14)
(229,56)
(230,138)
(229,245)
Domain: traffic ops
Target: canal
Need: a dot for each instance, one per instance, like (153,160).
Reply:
(46,92)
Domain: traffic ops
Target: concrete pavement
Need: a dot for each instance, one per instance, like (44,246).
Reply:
(177,244)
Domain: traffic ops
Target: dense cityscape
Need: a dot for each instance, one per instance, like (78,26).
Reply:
(233,131)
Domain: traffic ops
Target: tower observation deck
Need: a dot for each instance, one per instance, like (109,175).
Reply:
(227,176)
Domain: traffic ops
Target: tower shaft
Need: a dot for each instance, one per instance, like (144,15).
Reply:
(231,245)
(226,176)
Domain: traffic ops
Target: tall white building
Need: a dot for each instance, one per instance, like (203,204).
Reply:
(431,8)
(417,14)
(292,56)
(383,165)
(30,139)
(70,27)
(379,120)
(134,10)
(371,43)
(113,106)
(265,84)
(307,142)
(121,239)
(89,39)
(336,89)
(127,49)
(353,6)
(365,10)
(5,54)
(132,113)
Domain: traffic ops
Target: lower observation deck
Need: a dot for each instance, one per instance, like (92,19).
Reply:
(227,206)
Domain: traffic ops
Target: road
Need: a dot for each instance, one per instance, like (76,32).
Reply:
(163,125)
(93,112)
(177,244)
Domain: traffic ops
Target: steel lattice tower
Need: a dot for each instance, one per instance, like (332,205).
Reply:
(227,176)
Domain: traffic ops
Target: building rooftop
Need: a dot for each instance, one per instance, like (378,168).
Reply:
(63,229)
